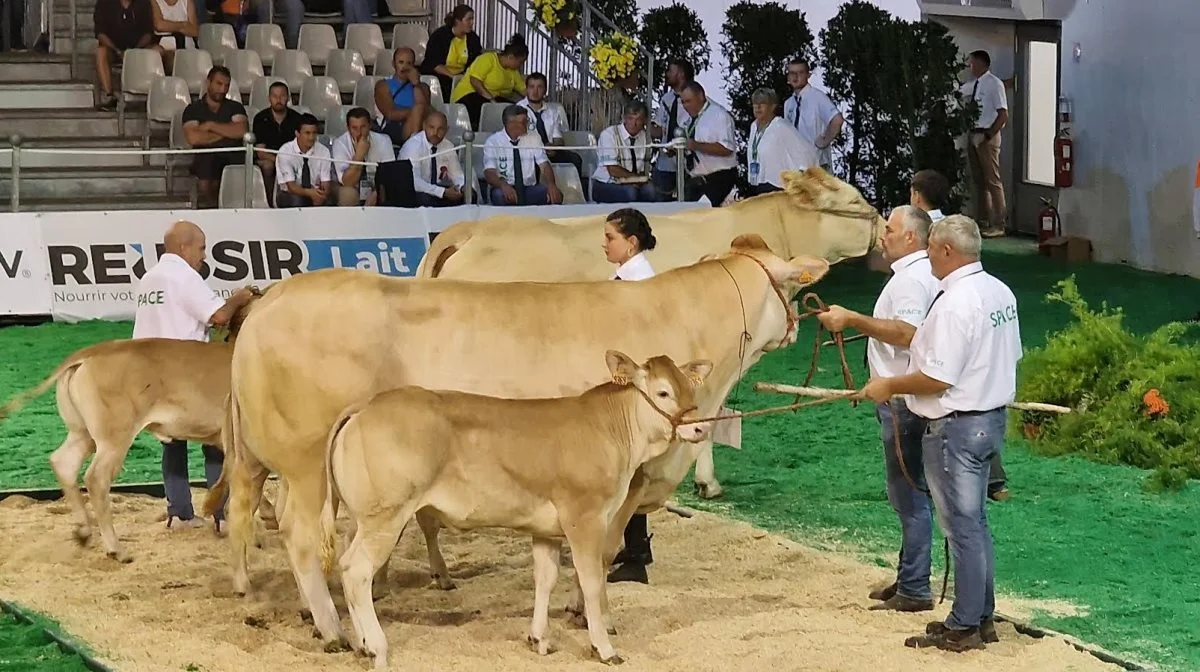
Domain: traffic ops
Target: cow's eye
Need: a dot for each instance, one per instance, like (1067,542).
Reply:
(663,394)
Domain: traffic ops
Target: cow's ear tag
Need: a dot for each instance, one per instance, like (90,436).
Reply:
(621,379)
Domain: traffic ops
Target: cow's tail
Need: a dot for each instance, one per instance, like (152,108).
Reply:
(329,509)
(216,493)
(443,247)
(73,360)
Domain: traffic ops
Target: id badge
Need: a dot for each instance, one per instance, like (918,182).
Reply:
(753,171)
(364,185)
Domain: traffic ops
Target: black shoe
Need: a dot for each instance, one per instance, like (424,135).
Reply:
(883,594)
(641,554)
(987,631)
(900,602)
(999,493)
(954,641)
(629,572)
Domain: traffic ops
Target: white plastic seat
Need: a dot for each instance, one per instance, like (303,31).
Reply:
(246,67)
(292,67)
(317,40)
(383,63)
(453,85)
(458,118)
(232,193)
(265,39)
(491,117)
(413,35)
(320,94)
(366,39)
(218,40)
(176,140)
(345,67)
(260,89)
(583,139)
(416,8)
(364,94)
(567,179)
(436,95)
(562,114)
(168,96)
(335,121)
(140,68)
(192,66)
(235,91)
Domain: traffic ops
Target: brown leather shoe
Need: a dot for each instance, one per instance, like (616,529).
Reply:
(883,594)
(954,641)
(900,602)
(987,631)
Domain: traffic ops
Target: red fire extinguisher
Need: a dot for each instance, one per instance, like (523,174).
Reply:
(1051,226)
(1064,162)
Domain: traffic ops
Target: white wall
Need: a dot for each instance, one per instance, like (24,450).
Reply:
(1137,136)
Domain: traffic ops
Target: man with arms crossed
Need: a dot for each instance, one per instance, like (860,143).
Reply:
(962,373)
(173,301)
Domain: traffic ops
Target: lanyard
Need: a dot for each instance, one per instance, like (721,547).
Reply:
(939,294)
(757,139)
(691,132)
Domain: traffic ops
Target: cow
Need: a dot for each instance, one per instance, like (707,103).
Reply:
(323,340)
(816,214)
(551,468)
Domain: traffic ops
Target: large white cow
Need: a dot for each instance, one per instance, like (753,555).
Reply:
(320,341)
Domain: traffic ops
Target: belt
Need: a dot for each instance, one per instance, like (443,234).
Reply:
(968,414)
(980,130)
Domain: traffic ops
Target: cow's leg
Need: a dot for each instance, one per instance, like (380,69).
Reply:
(272,514)
(110,455)
(430,525)
(243,491)
(302,536)
(587,537)
(612,544)
(374,541)
(545,574)
(706,479)
(66,462)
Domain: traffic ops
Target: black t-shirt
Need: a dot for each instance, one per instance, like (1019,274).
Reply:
(125,26)
(274,135)
(228,109)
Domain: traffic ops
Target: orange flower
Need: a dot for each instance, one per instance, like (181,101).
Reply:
(1156,406)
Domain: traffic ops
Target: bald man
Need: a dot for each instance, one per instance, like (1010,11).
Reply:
(173,301)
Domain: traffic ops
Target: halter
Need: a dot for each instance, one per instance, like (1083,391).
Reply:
(792,317)
(675,420)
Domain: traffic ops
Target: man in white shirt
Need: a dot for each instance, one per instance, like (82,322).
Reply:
(359,143)
(624,156)
(928,190)
(773,146)
(304,169)
(174,302)
(983,146)
(810,111)
(898,312)
(669,117)
(712,148)
(962,373)
(548,122)
(438,180)
(513,160)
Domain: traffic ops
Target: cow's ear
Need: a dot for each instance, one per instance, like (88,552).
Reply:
(696,371)
(620,366)
(805,270)
(749,241)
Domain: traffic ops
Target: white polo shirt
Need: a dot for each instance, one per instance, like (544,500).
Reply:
(905,297)
(970,339)
(775,149)
(380,151)
(713,124)
(449,171)
(988,91)
(554,122)
(290,162)
(811,116)
(173,301)
(636,268)
(498,155)
(662,117)
(613,149)
(935,215)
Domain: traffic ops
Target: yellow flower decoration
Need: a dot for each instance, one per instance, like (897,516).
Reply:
(553,12)
(614,57)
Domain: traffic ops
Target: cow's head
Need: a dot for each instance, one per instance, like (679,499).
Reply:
(787,276)
(817,203)
(667,391)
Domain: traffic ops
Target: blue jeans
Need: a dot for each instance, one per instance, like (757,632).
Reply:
(608,192)
(957,450)
(175,478)
(535,195)
(909,503)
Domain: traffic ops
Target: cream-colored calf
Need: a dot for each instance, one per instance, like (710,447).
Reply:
(551,468)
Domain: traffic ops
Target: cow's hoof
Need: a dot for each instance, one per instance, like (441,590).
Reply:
(444,582)
(121,556)
(709,490)
(612,629)
(577,619)
(306,617)
(378,593)
(542,646)
(338,646)
(614,659)
(82,534)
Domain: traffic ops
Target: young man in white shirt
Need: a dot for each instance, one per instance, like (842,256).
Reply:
(548,122)
(983,146)
(899,310)
(928,190)
(773,146)
(513,161)
(438,180)
(811,112)
(962,373)
(173,301)
(712,148)
(669,117)
(359,143)
(624,156)
(304,169)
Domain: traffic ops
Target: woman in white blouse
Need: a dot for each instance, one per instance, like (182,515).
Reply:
(627,238)
(773,146)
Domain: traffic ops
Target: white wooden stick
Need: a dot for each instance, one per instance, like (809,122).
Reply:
(826,393)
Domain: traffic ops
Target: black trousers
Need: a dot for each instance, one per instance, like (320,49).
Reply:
(716,186)
(763,188)
(637,536)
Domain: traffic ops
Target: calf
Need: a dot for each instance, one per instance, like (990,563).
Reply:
(551,468)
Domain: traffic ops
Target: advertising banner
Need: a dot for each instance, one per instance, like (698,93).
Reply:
(24,274)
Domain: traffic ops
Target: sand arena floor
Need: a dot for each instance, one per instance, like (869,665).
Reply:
(724,596)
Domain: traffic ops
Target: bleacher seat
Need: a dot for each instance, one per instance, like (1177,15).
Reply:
(435,89)
(140,68)
(168,96)
(292,67)
(317,40)
(453,85)
(218,40)
(408,7)
(364,94)
(345,67)
(232,193)
(335,122)
(235,90)
(265,39)
(320,94)
(583,139)
(567,179)
(562,114)
(192,66)
(458,120)
(246,67)
(414,35)
(366,39)
(260,89)
(383,64)
(176,140)
(491,117)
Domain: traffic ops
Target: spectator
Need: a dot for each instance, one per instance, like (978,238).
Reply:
(810,111)
(273,127)
(624,156)
(214,121)
(119,25)
(176,27)
(452,48)
(494,77)
(773,146)
(239,14)
(983,150)
(670,116)
(358,143)
(304,169)
(549,122)
(402,100)
(929,191)
(711,146)
(438,180)
(512,160)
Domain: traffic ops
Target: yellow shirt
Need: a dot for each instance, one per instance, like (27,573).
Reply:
(497,79)
(456,58)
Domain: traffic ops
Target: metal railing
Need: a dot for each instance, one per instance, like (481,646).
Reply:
(17,150)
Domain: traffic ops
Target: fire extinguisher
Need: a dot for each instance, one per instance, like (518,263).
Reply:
(1064,162)
(1051,225)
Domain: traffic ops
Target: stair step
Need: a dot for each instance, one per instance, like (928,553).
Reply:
(30,67)
(86,42)
(43,95)
(76,123)
(77,159)
(68,183)
(85,22)
(114,203)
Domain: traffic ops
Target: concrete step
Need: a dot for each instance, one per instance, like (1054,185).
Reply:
(28,67)
(75,123)
(69,183)
(110,203)
(86,42)
(42,95)
(85,21)
(77,159)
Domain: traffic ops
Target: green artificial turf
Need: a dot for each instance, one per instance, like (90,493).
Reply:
(1074,531)
(25,648)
